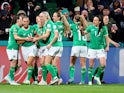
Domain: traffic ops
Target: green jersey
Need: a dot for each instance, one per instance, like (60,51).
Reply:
(48,26)
(40,32)
(26,33)
(97,39)
(78,39)
(59,27)
(12,44)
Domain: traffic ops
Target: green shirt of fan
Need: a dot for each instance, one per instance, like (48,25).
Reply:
(97,39)
(12,43)
(26,33)
(78,39)
(59,27)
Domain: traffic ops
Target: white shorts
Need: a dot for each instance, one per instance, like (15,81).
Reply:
(96,53)
(42,51)
(55,51)
(79,51)
(29,51)
(13,54)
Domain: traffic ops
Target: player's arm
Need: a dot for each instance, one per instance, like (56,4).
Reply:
(54,39)
(20,38)
(107,43)
(43,37)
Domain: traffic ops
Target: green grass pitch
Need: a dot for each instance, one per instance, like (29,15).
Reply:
(105,88)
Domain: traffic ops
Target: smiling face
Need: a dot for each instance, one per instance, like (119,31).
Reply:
(25,22)
(55,17)
(96,21)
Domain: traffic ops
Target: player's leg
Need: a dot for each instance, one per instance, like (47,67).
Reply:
(55,62)
(44,71)
(51,69)
(74,54)
(91,56)
(12,55)
(83,55)
(102,60)
(83,69)
(42,53)
(35,71)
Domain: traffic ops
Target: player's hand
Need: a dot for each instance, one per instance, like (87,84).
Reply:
(20,41)
(48,46)
(29,39)
(107,49)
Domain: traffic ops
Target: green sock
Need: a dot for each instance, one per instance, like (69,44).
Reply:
(56,70)
(44,72)
(95,71)
(101,76)
(83,74)
(72,70)
(35,71)
(90,72)
(51,70)
(100,70)
(30,71)
(16,68)
(11,73)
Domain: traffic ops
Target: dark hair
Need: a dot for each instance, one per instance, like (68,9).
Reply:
(114,2)
(101,23)
(14,20)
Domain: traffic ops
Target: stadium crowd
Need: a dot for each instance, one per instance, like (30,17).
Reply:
(88,8)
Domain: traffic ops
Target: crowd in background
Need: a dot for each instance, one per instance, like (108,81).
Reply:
(89,8)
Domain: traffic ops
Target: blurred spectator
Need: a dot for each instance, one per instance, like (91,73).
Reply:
(70,4)
(116,10)
(71,14)
(5,20)
(32,9)
(112,27)
(65,12)
(121,27)
(89,6)
(85,14)
(103,2)
(77,10)
(122,3)
(21,12)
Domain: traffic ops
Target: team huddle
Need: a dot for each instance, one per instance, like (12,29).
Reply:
(44,41)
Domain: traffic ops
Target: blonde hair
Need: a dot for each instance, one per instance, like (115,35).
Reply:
(47,15)
(66,24)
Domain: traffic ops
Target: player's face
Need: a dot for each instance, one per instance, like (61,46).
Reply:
(96,21)
(42,17)
(55,17)
(38,20)
(25,22)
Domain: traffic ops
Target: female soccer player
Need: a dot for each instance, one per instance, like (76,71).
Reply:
(105,21)
(40,30)
(13,49)
(79,48)
(62,27)
(28,47)
(47,30)
(96,47)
